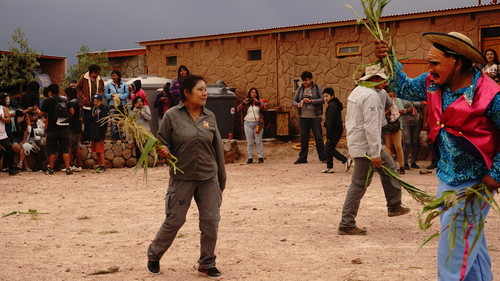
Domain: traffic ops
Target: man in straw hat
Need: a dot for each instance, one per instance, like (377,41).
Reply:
(365,113)
(464,122)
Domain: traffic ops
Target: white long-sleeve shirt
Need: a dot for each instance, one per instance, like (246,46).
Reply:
(363,123)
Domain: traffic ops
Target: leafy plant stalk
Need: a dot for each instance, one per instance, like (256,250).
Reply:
(143,137)
(373,11)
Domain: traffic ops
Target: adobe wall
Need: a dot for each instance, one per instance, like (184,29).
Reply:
(287,55)
(132,66)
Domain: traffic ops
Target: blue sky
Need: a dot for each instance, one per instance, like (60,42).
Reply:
(60,27)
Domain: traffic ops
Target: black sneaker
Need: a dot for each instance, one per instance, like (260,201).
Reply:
(431,166)
(69,171)
(13,172)
(49,171)
(407,167)
(249,161)
(154,267)
(210,272)
(401,171)
(300,161)
(414,165)
(261,160)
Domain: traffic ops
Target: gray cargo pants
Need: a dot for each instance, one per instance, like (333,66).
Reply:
(177,201)
(357,189)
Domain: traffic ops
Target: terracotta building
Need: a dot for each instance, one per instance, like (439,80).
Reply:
(273,59)
(130,62)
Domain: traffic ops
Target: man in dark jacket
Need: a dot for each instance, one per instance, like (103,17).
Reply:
(334,129)
(309,102)
(89,84)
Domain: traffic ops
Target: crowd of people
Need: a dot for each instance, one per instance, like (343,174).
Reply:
(51,128)
(455,102)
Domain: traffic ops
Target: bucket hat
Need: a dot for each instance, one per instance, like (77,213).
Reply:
(373,70)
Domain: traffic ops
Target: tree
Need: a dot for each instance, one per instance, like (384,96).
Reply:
(85,59)
(18,67)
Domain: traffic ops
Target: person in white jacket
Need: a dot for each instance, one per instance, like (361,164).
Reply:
(363,124)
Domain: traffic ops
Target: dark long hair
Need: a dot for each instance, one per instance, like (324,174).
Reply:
(495,60)
(256,92)
(119,74)
(181,67)
(188,84)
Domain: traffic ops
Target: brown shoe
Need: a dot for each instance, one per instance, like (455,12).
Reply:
(398,212)
(351,231)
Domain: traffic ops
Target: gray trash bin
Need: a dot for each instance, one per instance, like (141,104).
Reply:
(151,84)
(222,102)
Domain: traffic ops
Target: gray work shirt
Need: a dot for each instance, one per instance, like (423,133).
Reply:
(197,144)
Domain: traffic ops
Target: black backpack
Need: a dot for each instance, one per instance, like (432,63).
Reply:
(61,112)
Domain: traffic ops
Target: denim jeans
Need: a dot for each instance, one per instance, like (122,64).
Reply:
(411,141)
(357,189)
(450,263)
(251,136)
(116,133)
(306,125)
(87,119)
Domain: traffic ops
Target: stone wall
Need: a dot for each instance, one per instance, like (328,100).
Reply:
(287,54)
(131,66)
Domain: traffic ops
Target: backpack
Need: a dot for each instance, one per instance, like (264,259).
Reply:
(61,112)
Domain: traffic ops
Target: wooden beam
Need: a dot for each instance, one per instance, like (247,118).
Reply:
(331,31)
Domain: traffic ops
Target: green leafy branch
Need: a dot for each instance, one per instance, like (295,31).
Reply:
(373,11)
(476,196)
(32,212)
(143,137)
(419,195)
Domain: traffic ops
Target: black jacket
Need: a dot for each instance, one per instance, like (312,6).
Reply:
(333,119)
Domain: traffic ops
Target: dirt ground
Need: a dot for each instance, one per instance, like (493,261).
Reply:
(279,222)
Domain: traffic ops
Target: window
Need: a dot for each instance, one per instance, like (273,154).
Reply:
(348,49)
(254,55)
(296,84)
(172,61)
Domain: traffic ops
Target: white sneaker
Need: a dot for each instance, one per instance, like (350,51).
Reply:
(328,171)
(76,169)
(348,164)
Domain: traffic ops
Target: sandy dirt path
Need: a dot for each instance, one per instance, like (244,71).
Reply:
(279,222)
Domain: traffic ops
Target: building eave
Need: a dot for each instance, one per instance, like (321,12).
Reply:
(321,25)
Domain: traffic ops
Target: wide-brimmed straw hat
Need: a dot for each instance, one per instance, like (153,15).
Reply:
(456,42)
(373,70)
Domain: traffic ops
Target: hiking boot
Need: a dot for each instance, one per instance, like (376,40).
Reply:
(154,267)
(69,171)
(328,171)
(261,160)
(351,231)
(210,272)
(414,165)
(407,167)
(300,161)
(348,164)
(401,171)
(398,212)
(249,161)
(49,171)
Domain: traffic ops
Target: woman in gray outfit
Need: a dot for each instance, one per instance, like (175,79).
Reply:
(189,131)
